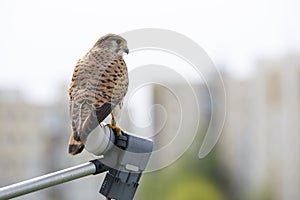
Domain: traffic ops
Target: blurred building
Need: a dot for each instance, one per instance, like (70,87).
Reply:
(21,144)
(182,111)
(261,141)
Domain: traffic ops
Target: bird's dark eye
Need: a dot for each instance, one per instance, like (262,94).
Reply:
(118,41)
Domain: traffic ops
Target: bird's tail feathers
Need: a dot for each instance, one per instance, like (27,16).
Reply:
(75,147)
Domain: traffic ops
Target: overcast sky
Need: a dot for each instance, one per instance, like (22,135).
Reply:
(41,41)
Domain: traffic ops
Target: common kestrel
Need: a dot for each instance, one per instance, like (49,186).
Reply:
(99,84)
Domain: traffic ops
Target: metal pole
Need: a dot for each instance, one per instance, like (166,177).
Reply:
(47,180)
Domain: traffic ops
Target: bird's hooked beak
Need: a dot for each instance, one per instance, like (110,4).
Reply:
(126,50)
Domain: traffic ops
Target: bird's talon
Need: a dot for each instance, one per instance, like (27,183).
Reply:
(118,129)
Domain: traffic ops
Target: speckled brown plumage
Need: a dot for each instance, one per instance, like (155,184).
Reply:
(99,84)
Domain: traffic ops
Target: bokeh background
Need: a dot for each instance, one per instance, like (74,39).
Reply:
(255,45)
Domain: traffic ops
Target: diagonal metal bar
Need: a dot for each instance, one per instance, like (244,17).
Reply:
(47,180)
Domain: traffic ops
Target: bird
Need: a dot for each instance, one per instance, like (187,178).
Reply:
(98,86)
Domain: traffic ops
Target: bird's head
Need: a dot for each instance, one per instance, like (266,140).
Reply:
(114,43)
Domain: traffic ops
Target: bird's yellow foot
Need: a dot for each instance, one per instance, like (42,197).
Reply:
(114,127)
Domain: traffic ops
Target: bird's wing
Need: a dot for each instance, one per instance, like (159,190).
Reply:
(82,99)
(114,83)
